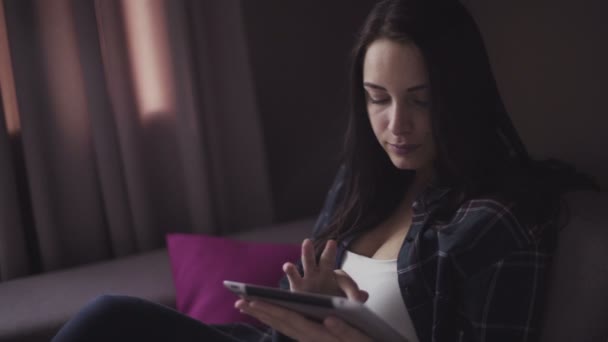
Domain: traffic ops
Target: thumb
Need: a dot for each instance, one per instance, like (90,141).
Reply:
(349,287)
(364,295)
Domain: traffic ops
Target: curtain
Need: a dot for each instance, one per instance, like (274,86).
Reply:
(135,118)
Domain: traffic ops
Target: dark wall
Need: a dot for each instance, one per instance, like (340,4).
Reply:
(299,52)
(549,58)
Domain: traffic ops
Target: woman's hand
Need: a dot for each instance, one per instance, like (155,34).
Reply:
(299,327)
(322,277)
(318,278)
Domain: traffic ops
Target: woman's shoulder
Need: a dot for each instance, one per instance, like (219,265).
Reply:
(487,215)
(484,230)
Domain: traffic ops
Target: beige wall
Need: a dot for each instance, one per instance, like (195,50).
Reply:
(551,63)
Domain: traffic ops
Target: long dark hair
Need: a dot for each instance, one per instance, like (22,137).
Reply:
(478,150)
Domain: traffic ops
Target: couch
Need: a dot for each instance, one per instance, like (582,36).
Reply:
(33,308)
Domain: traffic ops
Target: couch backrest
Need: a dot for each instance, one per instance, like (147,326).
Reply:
(577,306)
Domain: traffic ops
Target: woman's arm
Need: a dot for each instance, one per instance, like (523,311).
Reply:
(504,302)
(496,281)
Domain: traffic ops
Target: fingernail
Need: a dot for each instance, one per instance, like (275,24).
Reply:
(331,322)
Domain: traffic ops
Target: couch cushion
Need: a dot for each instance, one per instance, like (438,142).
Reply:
(33,308)
(577,307)
(201,263)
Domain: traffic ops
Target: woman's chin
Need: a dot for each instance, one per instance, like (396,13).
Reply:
(411,162)
(404,165)
(408,164)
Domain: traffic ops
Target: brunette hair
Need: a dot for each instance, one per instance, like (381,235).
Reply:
(478,150)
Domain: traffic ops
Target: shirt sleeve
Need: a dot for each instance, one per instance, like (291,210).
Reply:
(504,302)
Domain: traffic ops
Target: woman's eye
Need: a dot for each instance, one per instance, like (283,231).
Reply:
(420,103)
(378,101)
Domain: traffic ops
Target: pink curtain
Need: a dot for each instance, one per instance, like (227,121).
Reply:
(136,118)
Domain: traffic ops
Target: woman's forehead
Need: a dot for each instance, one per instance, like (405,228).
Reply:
(394,65)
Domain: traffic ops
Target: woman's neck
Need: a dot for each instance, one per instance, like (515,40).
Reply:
(422,179)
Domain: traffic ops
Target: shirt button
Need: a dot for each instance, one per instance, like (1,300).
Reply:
(406,293)
(430,234)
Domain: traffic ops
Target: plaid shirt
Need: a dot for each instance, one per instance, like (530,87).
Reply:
(480,277)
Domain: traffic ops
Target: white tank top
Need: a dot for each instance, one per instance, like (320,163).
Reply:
(379,279)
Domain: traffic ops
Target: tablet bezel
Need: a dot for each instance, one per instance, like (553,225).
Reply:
(317,307)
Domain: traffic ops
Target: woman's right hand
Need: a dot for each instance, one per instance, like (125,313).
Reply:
(322,277)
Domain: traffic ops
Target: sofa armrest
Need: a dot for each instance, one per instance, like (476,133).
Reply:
(34,308)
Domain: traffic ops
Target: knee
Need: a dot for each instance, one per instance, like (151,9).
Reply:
(107,304)
(95,320)
(109,300)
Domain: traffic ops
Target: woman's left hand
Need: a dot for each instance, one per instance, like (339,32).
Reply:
(299,327)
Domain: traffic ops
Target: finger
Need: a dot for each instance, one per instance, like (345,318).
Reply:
(308,257)
(240,303)
(280,325)
(343,331)
(328,256)
(364,295)
(288,322)
(349,287)
(294,277)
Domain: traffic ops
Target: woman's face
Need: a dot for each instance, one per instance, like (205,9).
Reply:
(397,93)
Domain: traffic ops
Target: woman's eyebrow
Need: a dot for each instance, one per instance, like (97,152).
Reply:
(417,87)
(373,86)
(410,89)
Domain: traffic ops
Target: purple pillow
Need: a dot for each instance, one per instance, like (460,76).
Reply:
(201,263)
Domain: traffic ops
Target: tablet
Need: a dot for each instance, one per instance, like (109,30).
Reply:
(318,307)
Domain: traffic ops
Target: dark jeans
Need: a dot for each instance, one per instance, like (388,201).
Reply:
(121,318)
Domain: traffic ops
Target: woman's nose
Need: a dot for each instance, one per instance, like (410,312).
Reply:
(400,122)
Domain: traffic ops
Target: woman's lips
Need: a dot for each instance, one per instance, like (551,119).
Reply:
(403,149)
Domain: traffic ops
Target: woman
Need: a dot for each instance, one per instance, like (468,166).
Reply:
(437,180)
(438,218)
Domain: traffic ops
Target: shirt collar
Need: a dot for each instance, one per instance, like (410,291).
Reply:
(431,195)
